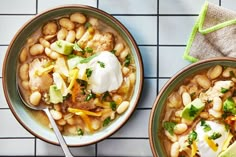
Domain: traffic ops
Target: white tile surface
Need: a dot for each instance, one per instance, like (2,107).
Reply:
(9,25)
(3,103)
(149,56)
(175,30)
(143,28)
(45,149)
(171,60)
(11,124)
(182,6)
(129,6)
(2,55)
(137,126)
(18,7)
(162,82)
(45,4)
(17,147)
(149,93)
(230,4)
(124,147)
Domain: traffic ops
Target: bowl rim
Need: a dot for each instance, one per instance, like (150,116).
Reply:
(126,33)
(166,85)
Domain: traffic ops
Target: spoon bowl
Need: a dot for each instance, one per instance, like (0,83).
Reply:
(42,107)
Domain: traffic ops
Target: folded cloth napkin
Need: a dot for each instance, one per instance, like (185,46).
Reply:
(213,35)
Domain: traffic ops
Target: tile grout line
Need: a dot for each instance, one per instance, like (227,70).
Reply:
(158,20)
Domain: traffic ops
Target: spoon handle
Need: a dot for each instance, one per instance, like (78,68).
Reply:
(59,136)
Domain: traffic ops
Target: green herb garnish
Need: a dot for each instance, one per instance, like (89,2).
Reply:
(90,96)
(88,49)
(113,51)
(206,127)
(66,97)
(224,90)
(80,132)
(169,126)
(105,95)
(192,137)
(87,25)
(229,106)
(106,121)
(101,64)
(82,83)
(113,105)
(215,135)
(89,72)
(127,60)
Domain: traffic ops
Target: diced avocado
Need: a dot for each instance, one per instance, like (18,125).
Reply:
(55,95)
(62,47)
(230,151)
(193,109)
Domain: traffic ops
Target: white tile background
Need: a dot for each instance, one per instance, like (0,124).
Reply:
(161,29)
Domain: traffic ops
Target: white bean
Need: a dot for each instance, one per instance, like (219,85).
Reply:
(78,17)
(187,122)
(44,42)
(80,32)
(204,115)
(24,72)
(50,28)
(117,98)
(118,48)
(122,107)
(61,34)
(214,113)
(174,151)
(180,128)
(132,78)
(23,55)
(35,98)
(36,49)
(203,81)
(71,121)
(125,70)
(173,137)
(61,122)
(186,98)
(228,72)
(25,85)
(217,104)
(175,100)
(70,36)
(123,54)
(66,23)
(56,114)
(52,54)
(215,72)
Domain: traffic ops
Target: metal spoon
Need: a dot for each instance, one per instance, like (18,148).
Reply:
(57,132)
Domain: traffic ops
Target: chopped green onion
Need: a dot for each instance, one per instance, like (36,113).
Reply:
(206,127)
(87,25)
(113,51)
(106,121)
(193,111)
(76,47)
(113,105)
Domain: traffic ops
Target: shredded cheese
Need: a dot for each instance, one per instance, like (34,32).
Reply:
(211,143)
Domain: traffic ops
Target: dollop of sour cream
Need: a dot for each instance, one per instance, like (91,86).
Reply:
(106,74)
(206,148)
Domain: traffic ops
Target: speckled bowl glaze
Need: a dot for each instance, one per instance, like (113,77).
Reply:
(22,113)
(157,113)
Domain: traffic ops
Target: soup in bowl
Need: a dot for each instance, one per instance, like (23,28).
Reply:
(194,113)
(83,65)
